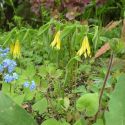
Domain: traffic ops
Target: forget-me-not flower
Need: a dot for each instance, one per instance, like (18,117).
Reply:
(8,78)
(9,64)
(26,84)
(32,86)
(4,52)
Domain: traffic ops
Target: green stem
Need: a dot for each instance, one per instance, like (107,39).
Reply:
(67,70)
(67,66)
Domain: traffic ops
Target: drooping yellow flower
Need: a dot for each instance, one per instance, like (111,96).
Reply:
(56,42)
(85,48)
(16,50)
(11,48)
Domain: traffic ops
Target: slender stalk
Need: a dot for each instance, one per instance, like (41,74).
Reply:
(104,84)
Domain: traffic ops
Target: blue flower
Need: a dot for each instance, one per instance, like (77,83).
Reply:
(10,64)
(6,50)
(32,86)
(1,68)
(26,84)
(3,54)
(6,63)
(8,78)
(11,68)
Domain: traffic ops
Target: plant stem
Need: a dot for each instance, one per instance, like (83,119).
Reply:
(104,84)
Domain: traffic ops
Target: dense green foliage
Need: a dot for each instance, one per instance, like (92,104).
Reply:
(65,82)
(54,62)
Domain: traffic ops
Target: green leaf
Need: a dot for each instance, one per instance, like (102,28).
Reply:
(88,103)
(30,71)
(80,122)
(116,114)
(6,88)
(95,37)
(28,94)
(11,113)
(51,121)
(40,106)
(80,89)
(99,122)
(19,99)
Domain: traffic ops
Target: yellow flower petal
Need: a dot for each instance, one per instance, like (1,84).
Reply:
(17,50)
(53,43)
(11,48)
(56,42)
(81,51)
(85,48)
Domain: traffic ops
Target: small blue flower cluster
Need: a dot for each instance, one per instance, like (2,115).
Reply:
(31,86)
(9,78)
(4,52)
(7,66)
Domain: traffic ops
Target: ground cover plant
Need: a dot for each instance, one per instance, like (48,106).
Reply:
(66,69)
(54,74)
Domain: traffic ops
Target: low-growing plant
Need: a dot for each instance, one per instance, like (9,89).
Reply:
(53,74)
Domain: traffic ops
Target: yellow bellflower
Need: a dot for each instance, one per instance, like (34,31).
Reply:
(16,50)
(11,48)
(56,42)
(85,48)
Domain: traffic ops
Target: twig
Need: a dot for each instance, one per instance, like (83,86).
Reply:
(104,84)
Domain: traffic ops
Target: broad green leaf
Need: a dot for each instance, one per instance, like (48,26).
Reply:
(116,114)
(50,121)
(6,88)
(88,103)
(19,99)
(13,114)
(40,106)
(28,94)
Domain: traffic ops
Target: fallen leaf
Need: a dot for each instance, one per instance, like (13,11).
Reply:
(102,50)
(111,25)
